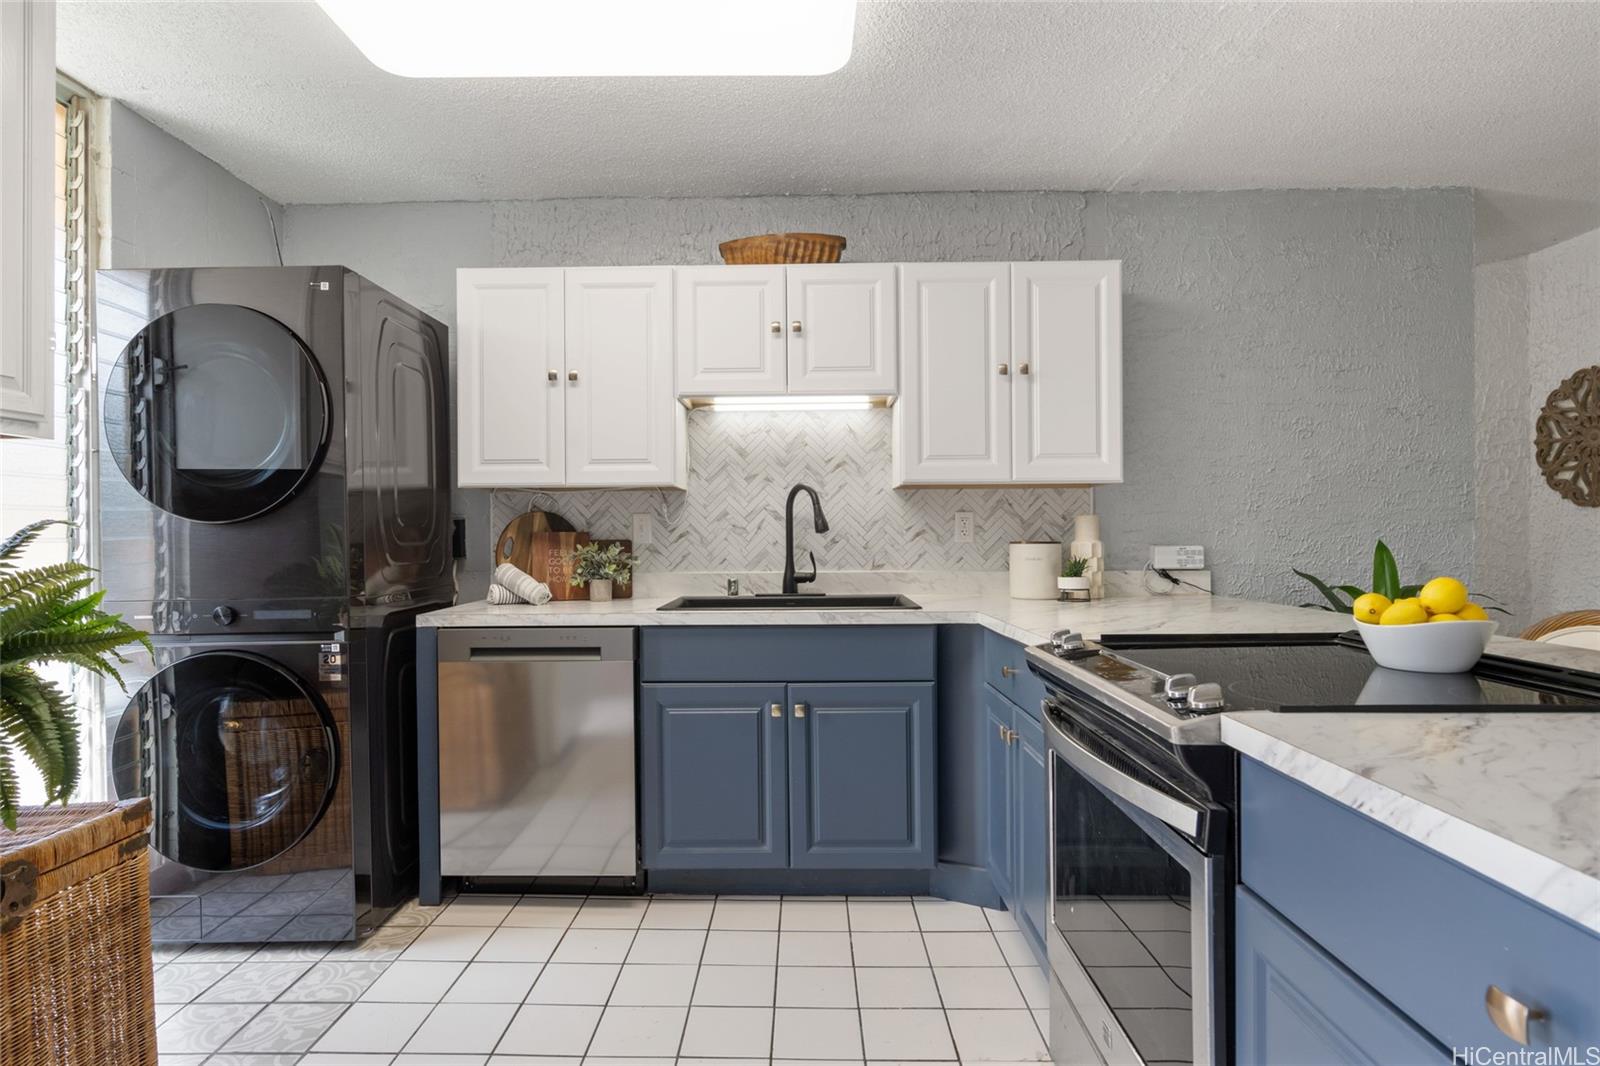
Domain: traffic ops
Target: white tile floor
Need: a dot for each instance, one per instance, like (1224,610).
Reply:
(652,981)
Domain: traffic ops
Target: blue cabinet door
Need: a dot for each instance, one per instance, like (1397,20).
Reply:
(1296,1006)
(998,714)
(1030,804)
(861,766)
(713,776)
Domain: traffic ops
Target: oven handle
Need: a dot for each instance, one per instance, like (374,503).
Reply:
(1180,816)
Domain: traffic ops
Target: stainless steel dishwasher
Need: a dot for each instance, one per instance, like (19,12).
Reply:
(536,755)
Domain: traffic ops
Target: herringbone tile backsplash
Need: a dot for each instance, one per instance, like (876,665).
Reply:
(740,469)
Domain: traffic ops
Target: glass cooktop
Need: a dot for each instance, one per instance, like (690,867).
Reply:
(1336,672)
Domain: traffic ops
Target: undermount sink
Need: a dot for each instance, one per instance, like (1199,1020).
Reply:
(817,601)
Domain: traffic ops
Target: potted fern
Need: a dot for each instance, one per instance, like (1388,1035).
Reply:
(1074,576)
(74,880)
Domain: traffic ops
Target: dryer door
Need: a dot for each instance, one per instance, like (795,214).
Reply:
(217,413)
(238,757)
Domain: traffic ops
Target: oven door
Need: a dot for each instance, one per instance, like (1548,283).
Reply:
(1137,926)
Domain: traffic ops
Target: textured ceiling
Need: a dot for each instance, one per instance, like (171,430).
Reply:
(1502,97)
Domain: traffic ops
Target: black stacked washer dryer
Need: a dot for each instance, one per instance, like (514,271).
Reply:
(274,500)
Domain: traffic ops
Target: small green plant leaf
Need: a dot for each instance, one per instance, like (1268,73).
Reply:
(1327,592)
(1385,574)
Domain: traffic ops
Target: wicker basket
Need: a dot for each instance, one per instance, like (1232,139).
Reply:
(75,937)
(783,248)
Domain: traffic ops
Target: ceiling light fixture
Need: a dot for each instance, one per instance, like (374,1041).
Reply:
(790,403)
(598,38)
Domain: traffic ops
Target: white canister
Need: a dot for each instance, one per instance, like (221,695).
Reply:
(1035,565)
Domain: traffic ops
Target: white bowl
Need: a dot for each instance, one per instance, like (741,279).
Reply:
(1427,647)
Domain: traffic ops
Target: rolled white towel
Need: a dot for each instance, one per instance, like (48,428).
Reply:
(499,594)
(520,584)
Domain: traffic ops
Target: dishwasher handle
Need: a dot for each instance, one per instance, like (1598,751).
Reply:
(536,645)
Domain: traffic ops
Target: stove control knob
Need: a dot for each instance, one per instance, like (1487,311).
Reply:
(1177,687)
(1206,697)
(224,616)
(1065,640)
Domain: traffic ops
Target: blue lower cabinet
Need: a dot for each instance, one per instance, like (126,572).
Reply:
(861,790)
(998,715)
(713,776)
(1031,804)
(1297,1006)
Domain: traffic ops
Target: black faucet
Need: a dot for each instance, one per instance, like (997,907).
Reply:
(791,580)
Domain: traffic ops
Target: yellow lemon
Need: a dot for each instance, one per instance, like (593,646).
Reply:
(1444,618)
(1370,608)
(1472,613)
(1403,613)
(1443,595)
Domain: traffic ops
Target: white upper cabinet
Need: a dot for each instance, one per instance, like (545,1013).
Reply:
(1066,387)
(27,184)
(953,419)
(731,330)
(841,329)
(624,426)
(511,377)
(817,329)
(564,378)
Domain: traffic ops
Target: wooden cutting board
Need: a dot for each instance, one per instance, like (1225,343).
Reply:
(533,543)
(516,538)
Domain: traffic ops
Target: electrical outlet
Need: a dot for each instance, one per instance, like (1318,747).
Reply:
(1177,557)
(966,524)
(643,528)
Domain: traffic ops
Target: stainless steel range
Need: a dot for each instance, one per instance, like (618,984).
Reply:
(1142,797)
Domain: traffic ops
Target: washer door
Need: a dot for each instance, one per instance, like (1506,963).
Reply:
(238,757)
(216,413)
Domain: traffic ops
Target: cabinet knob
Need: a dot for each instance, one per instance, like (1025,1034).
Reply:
(1008,671)
(799,710)
(777,710)
(553,376)
(1022,368)
(1510,1016)
(1005,368)
(794,327)
(776,327)
(572,375)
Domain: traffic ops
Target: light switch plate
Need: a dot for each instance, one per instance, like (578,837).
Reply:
(643,528)
(966,524)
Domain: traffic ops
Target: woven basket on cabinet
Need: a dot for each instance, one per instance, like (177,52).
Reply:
(75,937)
(783,248)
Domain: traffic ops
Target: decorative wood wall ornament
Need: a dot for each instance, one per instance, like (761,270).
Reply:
(1566,438)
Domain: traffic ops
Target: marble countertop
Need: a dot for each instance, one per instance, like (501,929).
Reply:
(979,598)
(1515,797)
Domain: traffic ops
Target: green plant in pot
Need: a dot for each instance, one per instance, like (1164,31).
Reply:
(600,566)
(48,614)
(1074,575)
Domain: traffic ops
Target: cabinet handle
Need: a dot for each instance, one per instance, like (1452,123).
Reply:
(799,710)
(776,327)
(1008,671)
(1002,730)
(1022,368)
(777,710)
(1510,1016)
(1005,368)
(553,376)
(572,375)
(794,327)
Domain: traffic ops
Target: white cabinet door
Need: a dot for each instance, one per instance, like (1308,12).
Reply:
(841,329)
(953,421)
(27,173)
(1066,389)
(510,425)
(730,330)
(624,426)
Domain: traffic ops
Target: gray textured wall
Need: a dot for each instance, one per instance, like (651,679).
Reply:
(1298,364)
(1538,320)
